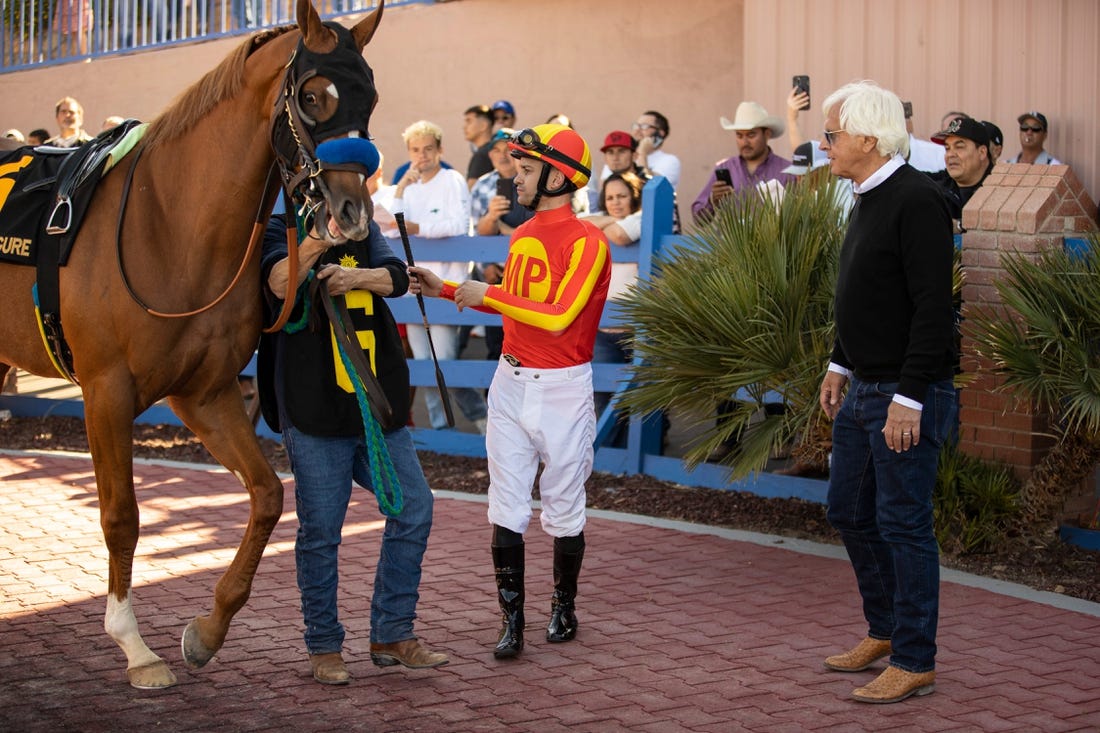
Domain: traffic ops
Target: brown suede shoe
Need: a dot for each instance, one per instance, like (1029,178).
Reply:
(865,653)
(409,653)
(895,684)
(329,669)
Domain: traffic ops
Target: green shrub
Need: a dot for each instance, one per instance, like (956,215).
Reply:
(974,503)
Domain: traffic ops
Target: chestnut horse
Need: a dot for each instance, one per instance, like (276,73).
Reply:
(188,213)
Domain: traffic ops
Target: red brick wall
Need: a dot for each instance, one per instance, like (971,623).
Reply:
(1027,209)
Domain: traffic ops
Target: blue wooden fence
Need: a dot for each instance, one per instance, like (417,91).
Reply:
(641,455)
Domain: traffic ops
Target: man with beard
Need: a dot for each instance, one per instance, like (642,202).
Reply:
(755,162)
(540,401)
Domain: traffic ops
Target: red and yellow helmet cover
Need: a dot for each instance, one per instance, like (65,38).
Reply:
(566,141)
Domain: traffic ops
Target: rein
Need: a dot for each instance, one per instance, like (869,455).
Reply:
(309,169)
(266,202)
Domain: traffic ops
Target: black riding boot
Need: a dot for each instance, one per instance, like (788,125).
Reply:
(508,565)
(568,554)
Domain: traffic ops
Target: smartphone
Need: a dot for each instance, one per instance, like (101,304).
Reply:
(802,84)
(504,187)
(908,106)
(723,175)
(657,140)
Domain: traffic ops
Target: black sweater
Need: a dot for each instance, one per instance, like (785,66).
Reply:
(894,317)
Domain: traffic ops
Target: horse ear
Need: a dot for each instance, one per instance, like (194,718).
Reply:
(364,29)
(315,35)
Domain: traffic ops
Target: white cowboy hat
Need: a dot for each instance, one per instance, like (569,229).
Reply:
(751,115)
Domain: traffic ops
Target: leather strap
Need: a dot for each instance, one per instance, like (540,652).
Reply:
(336,308)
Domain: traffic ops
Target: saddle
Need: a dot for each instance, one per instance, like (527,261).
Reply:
(44,195)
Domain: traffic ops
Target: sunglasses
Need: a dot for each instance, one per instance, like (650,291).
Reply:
(528,139)
(830,135)
(1028,128)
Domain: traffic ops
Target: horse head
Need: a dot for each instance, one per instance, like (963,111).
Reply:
(320,127)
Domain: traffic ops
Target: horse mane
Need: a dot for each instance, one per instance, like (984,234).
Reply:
(222,82)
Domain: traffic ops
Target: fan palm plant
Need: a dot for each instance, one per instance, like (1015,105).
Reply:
(1048,353)
(743,308)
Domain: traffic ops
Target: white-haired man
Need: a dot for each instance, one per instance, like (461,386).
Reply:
(894,352)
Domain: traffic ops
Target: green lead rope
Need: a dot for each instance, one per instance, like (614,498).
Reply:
(387,487)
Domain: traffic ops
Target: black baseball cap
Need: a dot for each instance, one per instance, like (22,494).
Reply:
(995,135)
(968,128)
(802,160)
(1037,116)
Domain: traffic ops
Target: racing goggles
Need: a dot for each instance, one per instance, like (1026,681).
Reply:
(529,140)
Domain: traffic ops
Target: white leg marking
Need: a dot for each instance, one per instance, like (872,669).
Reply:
(121,625)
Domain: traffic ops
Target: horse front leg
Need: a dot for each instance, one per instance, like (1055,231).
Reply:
(109,421)
(221,423)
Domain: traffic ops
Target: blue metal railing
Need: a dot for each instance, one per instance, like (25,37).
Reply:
(46,32)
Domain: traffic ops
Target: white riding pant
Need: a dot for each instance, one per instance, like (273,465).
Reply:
(547,415)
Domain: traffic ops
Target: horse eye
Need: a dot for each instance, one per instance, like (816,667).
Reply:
(309,98)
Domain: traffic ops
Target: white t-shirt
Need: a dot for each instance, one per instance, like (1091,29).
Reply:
(665,164)
(441,208)
(925,155)
(383,207)
(624,274)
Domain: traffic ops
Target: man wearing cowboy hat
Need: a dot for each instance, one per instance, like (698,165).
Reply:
(754,163)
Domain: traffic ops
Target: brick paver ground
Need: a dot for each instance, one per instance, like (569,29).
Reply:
(680,630)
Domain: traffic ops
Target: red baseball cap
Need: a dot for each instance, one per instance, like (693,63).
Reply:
(619,139)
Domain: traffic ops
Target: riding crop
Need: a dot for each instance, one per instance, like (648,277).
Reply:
(443,394)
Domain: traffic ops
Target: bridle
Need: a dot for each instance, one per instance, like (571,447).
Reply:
(296,170)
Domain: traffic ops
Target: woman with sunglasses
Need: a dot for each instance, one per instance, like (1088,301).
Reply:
(540,401)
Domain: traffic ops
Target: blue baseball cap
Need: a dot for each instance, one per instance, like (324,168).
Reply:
(505,106)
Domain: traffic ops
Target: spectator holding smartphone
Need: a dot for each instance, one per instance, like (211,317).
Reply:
(494,210)
(651,131)
(754,164)
(493,207)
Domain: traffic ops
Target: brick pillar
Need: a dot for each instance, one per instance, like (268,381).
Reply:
(1020,208)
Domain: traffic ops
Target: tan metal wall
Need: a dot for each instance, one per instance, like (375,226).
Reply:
(993,59)
(602,63)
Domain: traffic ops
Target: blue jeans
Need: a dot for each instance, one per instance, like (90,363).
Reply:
(881,503)
(324,468)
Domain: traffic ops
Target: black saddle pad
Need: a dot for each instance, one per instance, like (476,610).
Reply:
(31,180)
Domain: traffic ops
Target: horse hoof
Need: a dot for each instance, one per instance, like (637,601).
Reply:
(195,653)
(155,676)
